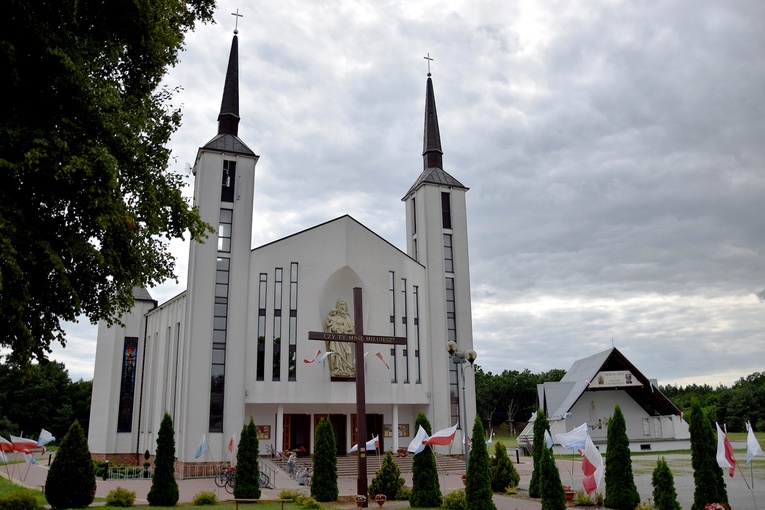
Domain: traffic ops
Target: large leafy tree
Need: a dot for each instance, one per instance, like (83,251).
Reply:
(621,492)
(478,481)
(426,491)
(87,203)
(707,475)
(71,481)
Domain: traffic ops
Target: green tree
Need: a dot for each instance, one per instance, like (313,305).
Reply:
(541,425)
(71,481)
(87,203)
(324,483)
(550,486)
(664,494)
(247,478)
(503,472)
(426,491)
(707,475)
(621,492)
(478,484)
(164,487)
(388,479)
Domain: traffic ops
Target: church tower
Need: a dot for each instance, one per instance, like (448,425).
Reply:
(218,282)
(436,233)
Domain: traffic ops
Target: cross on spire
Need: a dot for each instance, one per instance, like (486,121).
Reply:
(429,60)
(236,25)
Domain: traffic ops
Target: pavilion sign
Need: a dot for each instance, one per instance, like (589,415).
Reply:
(614,379)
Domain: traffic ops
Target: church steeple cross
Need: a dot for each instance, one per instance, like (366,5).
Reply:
(236,24)
(429,61)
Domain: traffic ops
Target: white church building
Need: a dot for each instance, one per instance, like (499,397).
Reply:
(235,344)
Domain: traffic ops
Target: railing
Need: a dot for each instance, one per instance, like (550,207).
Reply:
(201,470)
(130,472)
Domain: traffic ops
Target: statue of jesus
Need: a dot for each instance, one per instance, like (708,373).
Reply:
(339,321)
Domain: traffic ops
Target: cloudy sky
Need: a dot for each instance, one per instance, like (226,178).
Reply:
(614,152)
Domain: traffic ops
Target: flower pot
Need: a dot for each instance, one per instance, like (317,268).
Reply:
(570,495)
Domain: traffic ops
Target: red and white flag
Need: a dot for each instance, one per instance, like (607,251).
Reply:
(306,360)
(442,437)
(592,466)
(20,444)
(5,445)
(725,452)
(418,443)
(379,355)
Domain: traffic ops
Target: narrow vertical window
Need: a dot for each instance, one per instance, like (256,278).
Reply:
(446,210)
(277,324)
(224,230)
(414,216)
(227,183)
(219,334)
(392,313)
(127,385)
(262,297)
(292,358)
(405,352)
(416,322)
(448,257)
(451,334)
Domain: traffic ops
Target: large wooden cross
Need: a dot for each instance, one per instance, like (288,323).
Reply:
(361,406)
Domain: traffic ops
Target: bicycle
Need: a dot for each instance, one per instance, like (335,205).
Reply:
(225,478)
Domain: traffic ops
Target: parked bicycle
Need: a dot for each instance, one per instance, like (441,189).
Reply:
(226,478)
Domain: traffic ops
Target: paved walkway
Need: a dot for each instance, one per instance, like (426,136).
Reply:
(739,494)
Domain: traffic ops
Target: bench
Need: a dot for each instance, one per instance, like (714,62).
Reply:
(272,500)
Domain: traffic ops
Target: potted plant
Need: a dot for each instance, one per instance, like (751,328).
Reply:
(360,500)
(715,506)
(380,499)
(569,491)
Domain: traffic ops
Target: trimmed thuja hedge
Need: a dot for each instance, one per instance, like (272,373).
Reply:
(71,481)
(426,492)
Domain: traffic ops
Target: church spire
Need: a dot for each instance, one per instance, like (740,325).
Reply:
(432,154)
(228,119)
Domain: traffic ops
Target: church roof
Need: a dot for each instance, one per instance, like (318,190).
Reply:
(435,176)
(141,294)
(228,143)
(561,396)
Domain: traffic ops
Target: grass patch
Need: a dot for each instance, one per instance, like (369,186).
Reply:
(7,488)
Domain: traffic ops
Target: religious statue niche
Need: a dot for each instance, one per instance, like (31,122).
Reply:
(339,320)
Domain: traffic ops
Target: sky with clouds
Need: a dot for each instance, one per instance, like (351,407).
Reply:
(614,152)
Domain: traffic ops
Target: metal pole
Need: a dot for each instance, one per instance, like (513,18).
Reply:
(464,413)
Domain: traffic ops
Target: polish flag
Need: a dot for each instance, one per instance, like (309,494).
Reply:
(306,360)
(231,444)
(725,452)
(418,443)
(379,355)
(5,445)
(20,444)
(592,466)
(442,437)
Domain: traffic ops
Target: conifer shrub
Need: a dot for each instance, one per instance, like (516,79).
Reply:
(426,491)
(478,491)
(550,486)
(537,448)
(503,472)
(164,487)
(621,492)
(120,497)
(664,494)
(71,481)
(388,479)
(707,475)
(205,498)
(324,482)
(404,493)
(456,500)
(20,500)
(247,477)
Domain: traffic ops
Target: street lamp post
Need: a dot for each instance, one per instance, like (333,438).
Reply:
(459,358)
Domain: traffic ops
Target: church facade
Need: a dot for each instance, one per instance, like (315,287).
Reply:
(235,344)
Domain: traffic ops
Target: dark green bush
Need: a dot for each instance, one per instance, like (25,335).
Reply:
(503,472)
(664,494)
(71,481)
(550,486)
(478,482)
(120,497)
(538,446)
(21,500)
(621,492)
(707,475)
(426,491)
(404,493)
(205,498)
(247,478)
(324,482)
(388,479)
(164,487)
(456,500)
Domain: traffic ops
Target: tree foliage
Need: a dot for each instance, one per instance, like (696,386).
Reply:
(247,478)
(388,479)
(478,491)
(41,396)
(324,483)
(538,448)
(621,492)
(71,481)
(707,475)
(87,203)
(503,472)
(164,487)
(550,486)
(426,491)
(664,494)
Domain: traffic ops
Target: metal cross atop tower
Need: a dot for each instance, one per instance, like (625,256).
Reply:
(429,60)
(236,25)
